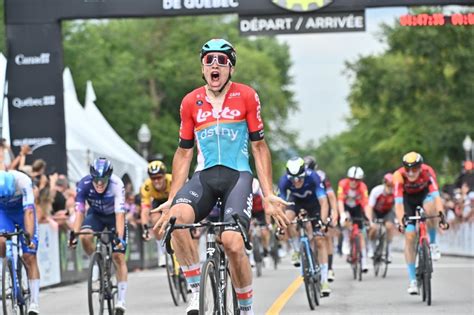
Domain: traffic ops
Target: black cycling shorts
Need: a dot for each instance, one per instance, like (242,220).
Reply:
(357,213)
(411,201)
(260,218)
(98,222)
(386,216)
(234,188)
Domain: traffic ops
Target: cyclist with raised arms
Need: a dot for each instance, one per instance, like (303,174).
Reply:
(154,191)
(381,206)
(17,207)
(220,117)
(352,198)
(304,189)
(105,194)
(415,185)
(310,163)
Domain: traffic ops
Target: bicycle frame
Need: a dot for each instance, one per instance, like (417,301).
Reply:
(13,260)
(304,239)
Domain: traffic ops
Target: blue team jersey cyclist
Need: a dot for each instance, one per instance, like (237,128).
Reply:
(17,207)
(105,194)
(303,187)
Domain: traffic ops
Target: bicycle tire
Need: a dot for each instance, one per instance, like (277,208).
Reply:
(386,253)
(111,287)
(98,262)
(172,279)
(183,286)
(8,297)
(22,275)
(257,255)
(316,276)
(208,303)
(307,278)
(353,258)
(377,259)
(231,295)
(274,251)
(359,258)
(427,271)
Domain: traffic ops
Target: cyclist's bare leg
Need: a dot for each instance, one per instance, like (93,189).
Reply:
(291,231)
(183,245)
(239,263)
(120,266)
(33,276)
(432,224)
(410,247)
(390,230)
(87,242)
(154,217)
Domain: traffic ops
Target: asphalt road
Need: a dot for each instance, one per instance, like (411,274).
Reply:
(280,292)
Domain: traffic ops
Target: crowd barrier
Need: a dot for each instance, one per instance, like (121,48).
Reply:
(457,241)
(61,265)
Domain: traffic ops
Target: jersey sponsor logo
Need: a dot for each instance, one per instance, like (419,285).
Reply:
(303,195)
(195,194)
(183,200)
(248,211)
(226,113)
(234,94)
(219,131)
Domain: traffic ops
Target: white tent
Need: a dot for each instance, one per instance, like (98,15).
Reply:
(88,135)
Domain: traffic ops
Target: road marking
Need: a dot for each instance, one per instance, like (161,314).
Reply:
(284,297)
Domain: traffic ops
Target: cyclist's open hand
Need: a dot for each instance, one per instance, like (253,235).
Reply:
(274,206)
(165,216)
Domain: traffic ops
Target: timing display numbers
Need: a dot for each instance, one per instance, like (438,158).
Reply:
(437,19)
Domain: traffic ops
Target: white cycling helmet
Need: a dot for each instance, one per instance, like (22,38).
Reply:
(355,172)
(295,167)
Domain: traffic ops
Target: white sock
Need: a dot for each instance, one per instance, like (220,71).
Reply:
(295,244)
(345,236)
(324,273)
(159,248)
(34,288)
(122,291)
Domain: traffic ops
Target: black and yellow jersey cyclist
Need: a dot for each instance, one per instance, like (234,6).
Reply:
(154,191)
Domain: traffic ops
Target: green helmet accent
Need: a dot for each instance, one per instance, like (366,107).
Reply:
(219,45)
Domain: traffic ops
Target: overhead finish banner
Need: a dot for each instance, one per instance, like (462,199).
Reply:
(302,23)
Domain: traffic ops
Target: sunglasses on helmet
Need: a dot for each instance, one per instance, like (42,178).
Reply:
(209,59)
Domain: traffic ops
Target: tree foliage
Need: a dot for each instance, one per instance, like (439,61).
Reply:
(141,69)
(417,95)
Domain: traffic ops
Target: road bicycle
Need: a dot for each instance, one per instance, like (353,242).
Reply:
(274,249)
(424,267)
(176,280)
(217,295)
(355,257)
(310,269)
(101,283)
(381,259)
(15,285)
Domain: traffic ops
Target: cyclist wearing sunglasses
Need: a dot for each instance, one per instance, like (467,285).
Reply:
(304,189)
(17,207)
(154,191)
(352,198)
(221,117)
(105,194)
(415,185)
(310,163)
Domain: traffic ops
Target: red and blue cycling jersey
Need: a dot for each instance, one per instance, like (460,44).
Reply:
(221,136)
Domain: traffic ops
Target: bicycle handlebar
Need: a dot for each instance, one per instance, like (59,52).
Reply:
(166,241)
(423,217)
(18,232)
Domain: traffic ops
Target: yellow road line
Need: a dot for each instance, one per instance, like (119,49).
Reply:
(284,297)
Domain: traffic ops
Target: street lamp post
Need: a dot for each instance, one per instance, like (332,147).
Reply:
(468,147)
(144,137)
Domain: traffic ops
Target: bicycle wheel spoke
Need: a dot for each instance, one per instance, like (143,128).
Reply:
(96,285)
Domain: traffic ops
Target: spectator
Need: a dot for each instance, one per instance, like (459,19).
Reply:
(131,208)
(62,200)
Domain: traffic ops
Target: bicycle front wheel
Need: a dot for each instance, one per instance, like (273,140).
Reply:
(22,275)
(95,285)
(307,277)
(274,250)
(426,272)
(8,291)
(257,255)
(386,258)
(208,303)
(231,303)
(359,258)
(172,279)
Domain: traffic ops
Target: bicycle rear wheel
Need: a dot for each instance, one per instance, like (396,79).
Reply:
(353,258)
(22,275)
(427,272)
(183,286)
(274,250)
(378,256)
(95,285)
(172,279)
(208,303)
(307,277)
(8,292)
(386,258)
(359,258)
(257,255)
